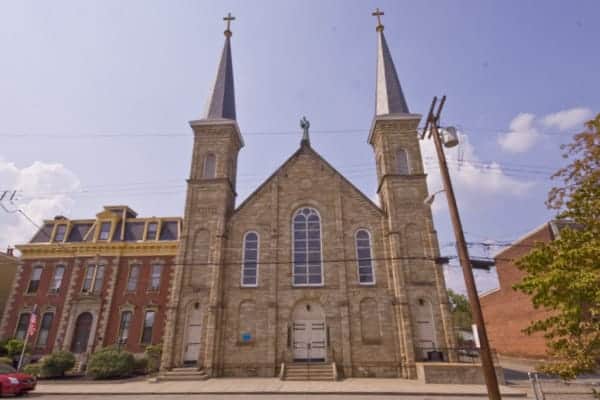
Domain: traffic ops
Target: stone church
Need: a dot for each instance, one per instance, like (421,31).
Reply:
(307,268)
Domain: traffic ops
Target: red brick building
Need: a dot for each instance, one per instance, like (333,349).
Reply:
(94,283)
(507,311)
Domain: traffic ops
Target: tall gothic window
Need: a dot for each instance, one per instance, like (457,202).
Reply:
(308,263)
(209,168)
(402,165)
(250,256)
(364,258)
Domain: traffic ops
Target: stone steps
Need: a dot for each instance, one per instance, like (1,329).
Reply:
(309,372)
(183,374)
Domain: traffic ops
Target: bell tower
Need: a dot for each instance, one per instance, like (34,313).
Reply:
(412,241)
(196,293)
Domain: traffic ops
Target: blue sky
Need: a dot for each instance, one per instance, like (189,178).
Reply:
(520,77)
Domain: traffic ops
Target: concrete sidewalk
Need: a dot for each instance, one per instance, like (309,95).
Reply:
(269,386)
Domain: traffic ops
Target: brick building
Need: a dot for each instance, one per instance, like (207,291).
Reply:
(95,282)
(8,270)
(507,311)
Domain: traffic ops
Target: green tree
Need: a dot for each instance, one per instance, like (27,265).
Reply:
(461,310)
(563,276)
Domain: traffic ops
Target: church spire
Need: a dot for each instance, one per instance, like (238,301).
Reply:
(221,102)
(389,98)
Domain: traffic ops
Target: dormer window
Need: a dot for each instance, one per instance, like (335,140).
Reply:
(59,236)
(104,231)
(152,230)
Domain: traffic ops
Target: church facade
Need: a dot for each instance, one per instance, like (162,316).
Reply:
(307,268)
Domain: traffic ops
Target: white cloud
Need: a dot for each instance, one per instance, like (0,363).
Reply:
(473,180)
(522,135)
(485,280)
(568,119)
(43,193)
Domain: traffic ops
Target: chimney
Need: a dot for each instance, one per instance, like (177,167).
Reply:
(9,251)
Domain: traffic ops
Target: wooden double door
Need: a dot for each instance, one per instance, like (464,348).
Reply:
(309,340)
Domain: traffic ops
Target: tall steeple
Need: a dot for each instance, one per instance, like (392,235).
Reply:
(389,98)
(221,102)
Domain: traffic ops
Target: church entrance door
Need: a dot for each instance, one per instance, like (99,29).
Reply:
(310,341)
(309,332)
(193,335)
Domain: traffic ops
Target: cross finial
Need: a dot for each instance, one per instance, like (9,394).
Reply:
(377,13)
(305,125)
(228,19)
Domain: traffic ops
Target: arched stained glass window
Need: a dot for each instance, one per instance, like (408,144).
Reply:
(209,169)
(250,256)
(402,165)
(308,266)
(364,257)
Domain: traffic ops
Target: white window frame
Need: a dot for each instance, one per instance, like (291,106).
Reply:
(138,267)
(53,287)
(92,289)
(31,280)
(358,257)
(124,329)
(308,284)
(148,230)
(146,311)
(151,287)
(39,345)
(109,223)
(244,259)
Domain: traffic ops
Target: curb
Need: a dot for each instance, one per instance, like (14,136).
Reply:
(325,393)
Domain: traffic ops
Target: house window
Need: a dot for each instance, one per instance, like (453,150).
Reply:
(132,281)
(250,257)
(364,258)
(59,236)
(45,326)
(22,326)
(155,275)
(209,167)
(98,279)
(56,283)
(34,283)
(94,279)
(124,326)
(152,230)
(104,231)
(308,268)
(402,165)
(148,325)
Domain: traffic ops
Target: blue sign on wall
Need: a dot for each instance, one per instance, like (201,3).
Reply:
(246,337)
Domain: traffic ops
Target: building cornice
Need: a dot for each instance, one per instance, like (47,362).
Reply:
(57,250)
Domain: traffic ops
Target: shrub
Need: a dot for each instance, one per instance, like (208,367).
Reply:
(153,354)
(32,369)
(111,363)
(141,366)
(56,364)
(3,351)
(14,347)
(6,360)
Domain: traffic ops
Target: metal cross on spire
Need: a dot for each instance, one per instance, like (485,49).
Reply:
(228,19)
(377,13)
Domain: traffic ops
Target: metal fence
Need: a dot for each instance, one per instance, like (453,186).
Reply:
(468,355)
(547,388)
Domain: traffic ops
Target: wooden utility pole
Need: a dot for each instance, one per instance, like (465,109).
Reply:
(487,362)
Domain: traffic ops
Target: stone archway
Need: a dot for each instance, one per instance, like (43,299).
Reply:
(309,332)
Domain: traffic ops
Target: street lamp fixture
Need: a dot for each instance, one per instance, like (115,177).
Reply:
(429,200)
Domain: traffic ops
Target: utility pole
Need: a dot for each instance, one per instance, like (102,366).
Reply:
(463,254)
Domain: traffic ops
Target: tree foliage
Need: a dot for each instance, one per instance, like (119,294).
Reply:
(461,310)
(563,276)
